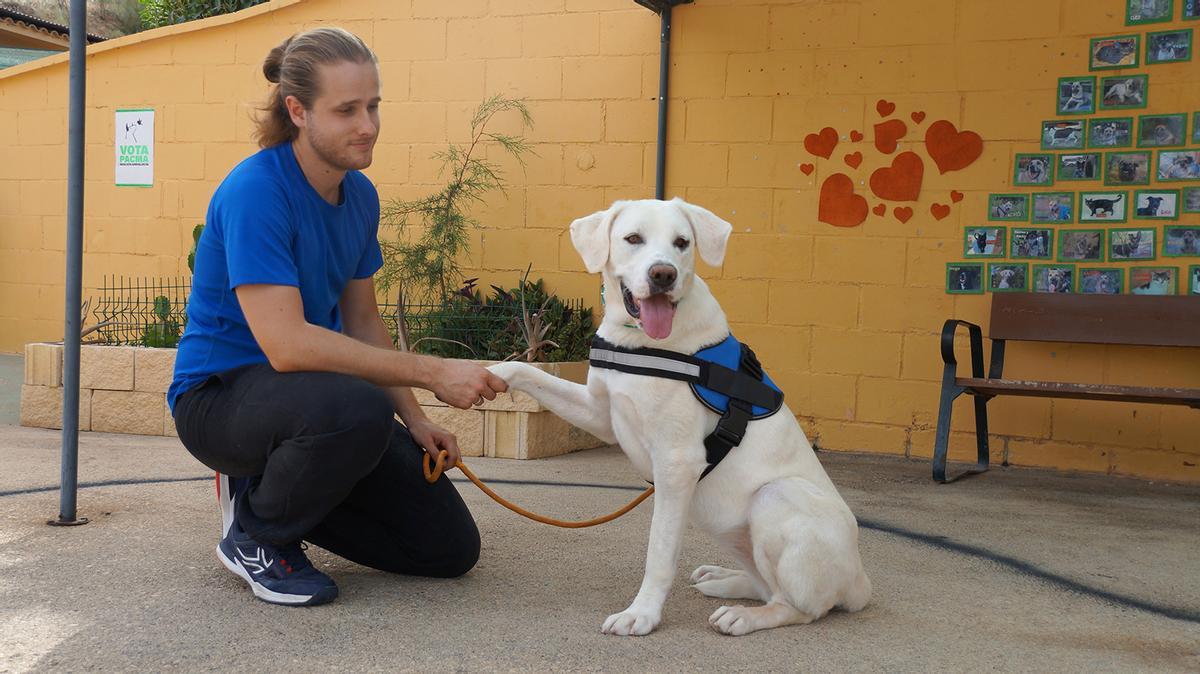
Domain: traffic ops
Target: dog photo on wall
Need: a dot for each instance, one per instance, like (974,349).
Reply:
(984,242)
(1124,92)
(1156,204)
(1194,275)
(964,278)
(1034,169)
(1131,244)
(1032,243)
(1179,164)
(1078,166)
(1008,207)
(1081,245)
(1053,278)
(1114,52)
(1154,280)
(1191,10)
(1162,130)
(1004,277)
(1182,241)
(1102,206)
(1169,46)
(1076,95)
(1097,281)
(1062,134)
(1127,168)
(1191,197)
(1110,132)
(1054,207)
(1147,11)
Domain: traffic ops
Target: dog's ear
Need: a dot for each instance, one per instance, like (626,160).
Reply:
(712,233)
(589,234)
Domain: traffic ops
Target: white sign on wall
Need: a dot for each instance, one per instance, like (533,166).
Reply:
(135,147)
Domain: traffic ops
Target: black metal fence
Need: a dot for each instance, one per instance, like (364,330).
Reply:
(153,312)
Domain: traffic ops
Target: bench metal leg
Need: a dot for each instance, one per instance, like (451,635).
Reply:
(941,447)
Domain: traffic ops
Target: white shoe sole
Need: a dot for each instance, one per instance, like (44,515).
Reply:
(260,591)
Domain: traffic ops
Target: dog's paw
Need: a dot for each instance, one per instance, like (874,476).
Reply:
(711,572)
(733,620)
(510,372)
(630,623)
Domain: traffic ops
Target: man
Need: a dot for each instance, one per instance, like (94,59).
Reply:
(286,377)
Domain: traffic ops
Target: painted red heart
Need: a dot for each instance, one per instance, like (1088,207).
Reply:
(855,136)
(807,169)
(885,107)
(903,213)
(901,181)
(887,133)
(918,117)
(950,148)
(939,211)
(821,144)
(956,196)
(839,205)
(854,159)
(880,209)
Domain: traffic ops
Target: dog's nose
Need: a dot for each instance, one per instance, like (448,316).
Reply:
(662,276)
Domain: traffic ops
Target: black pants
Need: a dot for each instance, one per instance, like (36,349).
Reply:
(330,464)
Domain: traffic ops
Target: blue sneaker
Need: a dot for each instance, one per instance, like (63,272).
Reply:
(276,574)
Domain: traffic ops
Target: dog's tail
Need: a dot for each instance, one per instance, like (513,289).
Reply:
(858,594)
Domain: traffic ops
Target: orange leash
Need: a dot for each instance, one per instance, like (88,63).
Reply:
(432,475)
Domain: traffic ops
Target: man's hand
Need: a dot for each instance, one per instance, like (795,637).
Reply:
(462,384)
(433,439)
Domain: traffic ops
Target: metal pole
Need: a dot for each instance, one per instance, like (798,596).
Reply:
(74,290)
(664,67)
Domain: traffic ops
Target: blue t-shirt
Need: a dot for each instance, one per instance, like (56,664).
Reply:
(266,224)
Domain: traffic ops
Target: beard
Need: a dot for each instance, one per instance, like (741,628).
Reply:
(338,154)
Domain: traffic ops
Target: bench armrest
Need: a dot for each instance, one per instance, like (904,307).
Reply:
(975,334)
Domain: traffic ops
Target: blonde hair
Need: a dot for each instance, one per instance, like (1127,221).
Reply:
(292,68)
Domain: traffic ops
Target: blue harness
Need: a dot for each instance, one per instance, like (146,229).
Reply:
(725,377)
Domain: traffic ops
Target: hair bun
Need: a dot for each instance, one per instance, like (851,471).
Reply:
(273,65)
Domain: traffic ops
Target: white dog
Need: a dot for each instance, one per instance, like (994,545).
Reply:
(769,502)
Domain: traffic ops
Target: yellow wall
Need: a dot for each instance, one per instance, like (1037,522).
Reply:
(846,319)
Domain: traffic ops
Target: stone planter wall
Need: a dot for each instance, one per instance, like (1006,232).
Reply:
(123,390)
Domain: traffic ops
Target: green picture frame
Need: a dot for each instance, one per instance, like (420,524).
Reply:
(1074,140)
(1105,133)
(1143,165)
(1000,208)
(1131,11)
(1053,208)
(1153,52)
(1017,282)
(1088,281)
(1125,46)
(953,280)
(1181,245)
(1194,279)
(1134,91)
(1189,197)
(1190,10)
(1196,122)
(993,238)
(1163,130)
(1067,241)
(1150,246)
(1088,210)
(1191,172)
(1024,164)
(1079,167)
(1036,284)
(1135,278)
(1076,95)
(1139,210)
(1021,246)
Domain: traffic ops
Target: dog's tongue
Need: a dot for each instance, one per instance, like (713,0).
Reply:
(657,315)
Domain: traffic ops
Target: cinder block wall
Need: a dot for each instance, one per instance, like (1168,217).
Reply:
(846,319)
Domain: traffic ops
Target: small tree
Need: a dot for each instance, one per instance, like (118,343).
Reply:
(426,270)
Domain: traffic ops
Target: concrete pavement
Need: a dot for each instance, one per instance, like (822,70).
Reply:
(1016,570)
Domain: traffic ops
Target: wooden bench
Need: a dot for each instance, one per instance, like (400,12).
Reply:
(1053,317)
